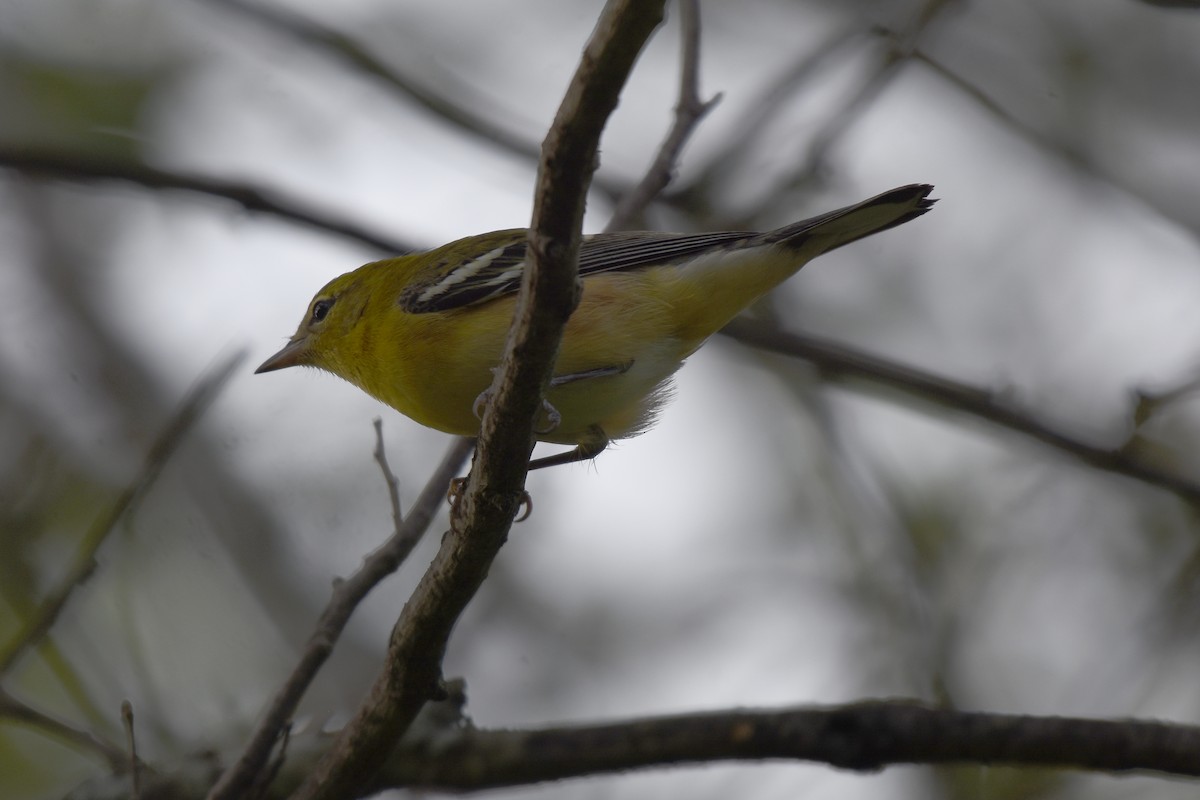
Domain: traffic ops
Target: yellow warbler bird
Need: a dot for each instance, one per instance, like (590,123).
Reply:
(423,332)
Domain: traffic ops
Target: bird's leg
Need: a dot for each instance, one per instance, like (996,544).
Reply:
(599,372)
(553,417)
(584,451)
(598,439)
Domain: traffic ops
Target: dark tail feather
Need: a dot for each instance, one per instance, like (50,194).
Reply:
(879,213)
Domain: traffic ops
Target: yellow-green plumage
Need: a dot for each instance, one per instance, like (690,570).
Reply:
(422,332)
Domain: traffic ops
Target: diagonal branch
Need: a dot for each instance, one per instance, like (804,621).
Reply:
(412,672)
(96,169)
(729,158)
(347,594)
(319,38)
(14,710)
(439,104)
(842,363)
(1077,159)
(193,407)
(689,110)
(888,67)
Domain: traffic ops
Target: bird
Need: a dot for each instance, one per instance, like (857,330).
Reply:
(424,332)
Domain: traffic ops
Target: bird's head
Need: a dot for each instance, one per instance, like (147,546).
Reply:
(326,335)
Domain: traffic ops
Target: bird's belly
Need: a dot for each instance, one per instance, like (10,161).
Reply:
(619,332)
(621,404)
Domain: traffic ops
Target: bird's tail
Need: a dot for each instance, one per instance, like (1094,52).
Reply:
(724,282)
(849,224)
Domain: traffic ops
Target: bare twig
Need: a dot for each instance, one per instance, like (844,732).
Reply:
(688,112)
(900,49)
(317,37)
(13,709)
(1151,401)
(90,169)
(44,617)
(347,594)
(729,159)
(389,477)
(263,781)
(481,521)
(840,362)
(135,771)
(461,117)
(1073,157)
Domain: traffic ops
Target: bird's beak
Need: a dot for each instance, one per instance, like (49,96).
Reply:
(293,354)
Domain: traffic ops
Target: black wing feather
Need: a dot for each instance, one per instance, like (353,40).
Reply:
(604,252)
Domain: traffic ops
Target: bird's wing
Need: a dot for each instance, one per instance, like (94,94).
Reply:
(495,265)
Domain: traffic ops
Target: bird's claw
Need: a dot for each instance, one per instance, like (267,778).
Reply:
(481,400)
(527,504)
(553,418)
(458,487)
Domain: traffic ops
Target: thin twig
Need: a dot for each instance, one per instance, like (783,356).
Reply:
(689,110)
(1152,401)
(1073,157)
(135,771)
(841,362)
(899,51)
(193,406)
(13,709)
(347,594)
(315,36)
(462,117)
(262,784)
(389,477)
(79,168)
(480,524)
(729,159)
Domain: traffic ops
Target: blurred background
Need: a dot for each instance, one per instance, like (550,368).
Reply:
(778,538)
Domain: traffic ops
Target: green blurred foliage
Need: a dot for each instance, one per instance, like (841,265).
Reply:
(80,109)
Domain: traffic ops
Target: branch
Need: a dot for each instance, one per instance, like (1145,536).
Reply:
(865,736)
(688,112)
(193,407)
(94,169)
(1078,159)
(393,483)
(728,159)
(460,116)
(841,363)
(482,518)
(13,709)
(319,38)
(347,594)
(836,126)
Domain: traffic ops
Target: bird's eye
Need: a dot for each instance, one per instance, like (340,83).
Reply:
(320,310)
